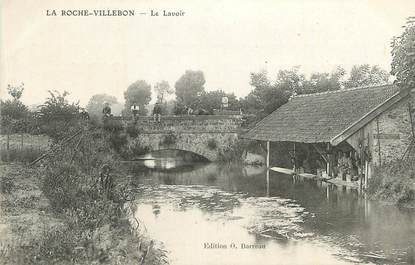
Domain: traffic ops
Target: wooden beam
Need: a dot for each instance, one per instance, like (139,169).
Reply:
(268,150)
(321,152)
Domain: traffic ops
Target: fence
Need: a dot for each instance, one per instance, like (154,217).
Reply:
(22,147)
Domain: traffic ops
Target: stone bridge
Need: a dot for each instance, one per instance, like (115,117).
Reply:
(205,135)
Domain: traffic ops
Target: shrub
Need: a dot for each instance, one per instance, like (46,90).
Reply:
(169,139)
(212,144)
(132,130)
(394,182)
(6,184)
(94,216)
(57,116)
(118,141)
(112,125)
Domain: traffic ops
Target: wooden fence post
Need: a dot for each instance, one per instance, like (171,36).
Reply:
(268,150)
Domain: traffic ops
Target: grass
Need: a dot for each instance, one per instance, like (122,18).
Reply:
(33,147)
(394,183)
(32,141)
(93,219)
(26,155)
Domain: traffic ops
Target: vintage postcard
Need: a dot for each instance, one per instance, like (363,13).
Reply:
(220,132)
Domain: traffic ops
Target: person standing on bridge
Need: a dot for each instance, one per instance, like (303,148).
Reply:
(157,112)
(134,110)
(106,110)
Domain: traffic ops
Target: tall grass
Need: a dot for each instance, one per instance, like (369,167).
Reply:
(26,155)
(394,182)
(95,221)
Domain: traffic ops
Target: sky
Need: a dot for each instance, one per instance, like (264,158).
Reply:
(227,40)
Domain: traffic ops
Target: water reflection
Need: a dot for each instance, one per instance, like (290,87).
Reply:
(300,221)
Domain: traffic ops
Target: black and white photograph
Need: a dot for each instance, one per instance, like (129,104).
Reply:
(223,132)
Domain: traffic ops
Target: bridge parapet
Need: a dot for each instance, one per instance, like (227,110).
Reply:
(206,135)
(188,124)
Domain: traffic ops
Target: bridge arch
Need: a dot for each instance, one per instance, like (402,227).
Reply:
(185,154)
(205,135)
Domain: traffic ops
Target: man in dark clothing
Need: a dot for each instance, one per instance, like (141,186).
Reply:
(157,112)
(106,110)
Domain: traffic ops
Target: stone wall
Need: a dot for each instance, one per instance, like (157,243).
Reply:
(204,135)
(391,132)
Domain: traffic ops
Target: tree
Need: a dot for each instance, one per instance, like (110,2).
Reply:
(267,96)
(13,112)
(96,104)
(15,91)
(403,56)
(57,116)
(188,89)
(290,81)
(209,101)
(322,82)
(366,75)
(162,89)
(138,93)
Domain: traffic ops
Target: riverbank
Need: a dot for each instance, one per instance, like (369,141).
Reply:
(32,233)
(394,183)
(72,207)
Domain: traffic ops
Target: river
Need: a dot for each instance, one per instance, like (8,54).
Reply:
(233,214)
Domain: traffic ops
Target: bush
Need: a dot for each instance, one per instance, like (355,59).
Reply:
(25,155)
(113,125)
(132,130)
(235,151)
(57,116)
(394,182)
(169,139)
(212,144)
(94,216)
(118,141)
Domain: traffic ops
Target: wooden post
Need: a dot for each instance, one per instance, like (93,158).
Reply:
(329,161)
(267,182)
(21,141)
(268,150)
(294,166)
(380,156)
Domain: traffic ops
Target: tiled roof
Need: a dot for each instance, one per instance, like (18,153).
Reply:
(318,118)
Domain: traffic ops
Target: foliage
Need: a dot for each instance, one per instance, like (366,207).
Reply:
(188,88)
(366,75)
(25,155)
(112,125)
(57,115)
(394,183)
(96,104)
(6,184)
(94,219)
(135,150)
(13,112)
(403,56)
(233,152)
(212,100)
(322,82)
(132,130)
(15,92)
(169,139)
(162,89)
(118,141)
(14,116)
(267,96)
(138,93)
(212,144)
